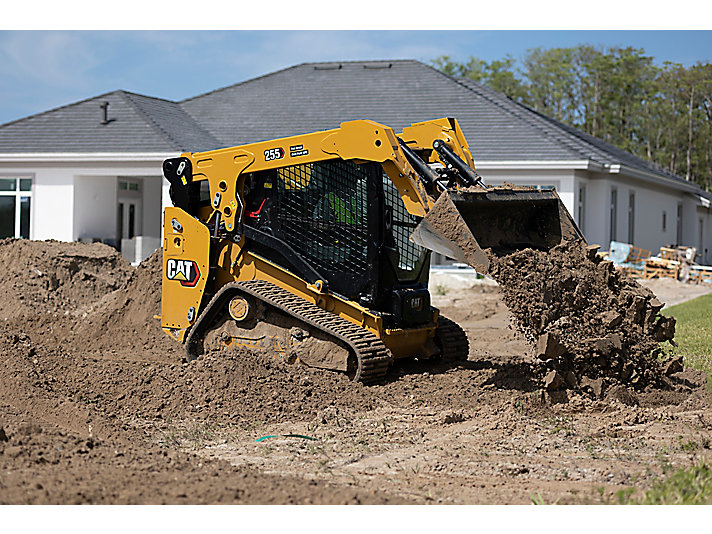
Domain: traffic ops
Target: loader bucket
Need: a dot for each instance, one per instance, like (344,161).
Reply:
(463,224)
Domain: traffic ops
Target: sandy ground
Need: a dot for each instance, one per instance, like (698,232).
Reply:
(122,420)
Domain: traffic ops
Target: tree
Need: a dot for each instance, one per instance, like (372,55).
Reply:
(660,113)
(500,74)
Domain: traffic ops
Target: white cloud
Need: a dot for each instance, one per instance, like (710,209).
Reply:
(52,59)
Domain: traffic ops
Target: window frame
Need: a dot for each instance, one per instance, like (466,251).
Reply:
(581,207)
(19,194)
(613,215)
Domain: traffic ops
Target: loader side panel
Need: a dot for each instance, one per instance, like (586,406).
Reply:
(186,250)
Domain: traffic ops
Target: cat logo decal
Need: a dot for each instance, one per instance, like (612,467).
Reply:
(185,271)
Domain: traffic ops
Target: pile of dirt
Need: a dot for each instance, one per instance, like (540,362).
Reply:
(125,318)
(86,297)
(592,326)
(56,277)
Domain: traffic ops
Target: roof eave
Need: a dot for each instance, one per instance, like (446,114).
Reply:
(96,157)
(508,165)
(690,187)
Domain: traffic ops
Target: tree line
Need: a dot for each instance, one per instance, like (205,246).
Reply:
(660,113)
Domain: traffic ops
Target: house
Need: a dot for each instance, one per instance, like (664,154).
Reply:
(91,170)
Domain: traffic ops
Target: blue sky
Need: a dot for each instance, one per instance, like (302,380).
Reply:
(40,70)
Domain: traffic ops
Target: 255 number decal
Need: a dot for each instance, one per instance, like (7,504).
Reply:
(274,153)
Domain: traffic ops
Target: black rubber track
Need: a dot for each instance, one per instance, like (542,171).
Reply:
(373,359)
(452,340)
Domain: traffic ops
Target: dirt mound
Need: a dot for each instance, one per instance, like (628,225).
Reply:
(86,297)
(124,319)
(57,277)
(592,326)
(73,429)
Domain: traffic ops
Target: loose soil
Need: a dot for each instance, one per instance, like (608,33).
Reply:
(593,326)
(96,406)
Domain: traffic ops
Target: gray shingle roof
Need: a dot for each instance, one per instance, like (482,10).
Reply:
(314,96)
(136,124)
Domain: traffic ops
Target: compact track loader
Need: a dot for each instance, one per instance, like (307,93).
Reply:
(316,248)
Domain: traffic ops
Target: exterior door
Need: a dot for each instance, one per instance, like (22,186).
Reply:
(128,222)
(129,209)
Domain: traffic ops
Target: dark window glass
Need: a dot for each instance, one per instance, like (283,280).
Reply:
(25,217)
(614,214)
(25,184)
(120,222)
(631,218)
(132,220)
(8,184)
(7,216)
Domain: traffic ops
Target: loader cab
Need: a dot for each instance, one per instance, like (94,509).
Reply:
(349,222)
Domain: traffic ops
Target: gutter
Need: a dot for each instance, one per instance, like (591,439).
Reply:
(93,157)
(589,165)
(583,164)
(690,187)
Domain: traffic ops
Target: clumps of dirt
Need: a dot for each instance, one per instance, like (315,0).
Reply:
(86,297)
(54,277)
(593,327)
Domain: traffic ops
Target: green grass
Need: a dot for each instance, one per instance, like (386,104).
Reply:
(693,332)
(693,335)
(685,486)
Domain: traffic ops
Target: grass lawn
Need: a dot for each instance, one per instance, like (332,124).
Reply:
(693,332)
(693,335)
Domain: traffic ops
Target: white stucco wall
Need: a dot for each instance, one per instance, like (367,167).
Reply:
(74,196)
(704,214)
(562,180)
(52,206)
(94,202)
(651,200)
(152,205)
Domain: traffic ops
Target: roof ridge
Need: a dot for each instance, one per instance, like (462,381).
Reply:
(133,93)
(153,124)
(46,112)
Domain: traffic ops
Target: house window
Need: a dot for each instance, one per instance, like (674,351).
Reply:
(701,237)
(631,218)
(581,207)
(679,224)
(613,214)
(128,186)
(664,221)
(15,204)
